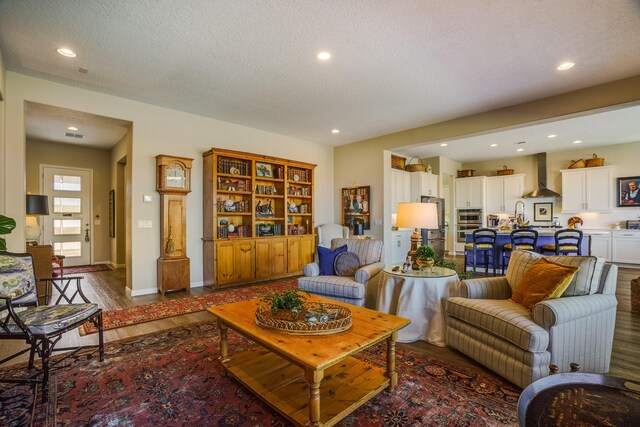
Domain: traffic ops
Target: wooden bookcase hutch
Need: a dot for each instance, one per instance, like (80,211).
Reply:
(257,217)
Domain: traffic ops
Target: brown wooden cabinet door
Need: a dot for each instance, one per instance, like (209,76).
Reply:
(244,260)
(263,258)
(294,262)
(278,257)
(307,250)
(224,262)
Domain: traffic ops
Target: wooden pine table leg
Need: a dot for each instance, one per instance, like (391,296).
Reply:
(224,343)
(391,361)
(314,378)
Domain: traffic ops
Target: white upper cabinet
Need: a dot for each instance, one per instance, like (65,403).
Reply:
(423,184)
(470,192)
(503,192)
(587,189)
(400,188)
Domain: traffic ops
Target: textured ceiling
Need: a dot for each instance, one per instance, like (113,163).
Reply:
(396,64)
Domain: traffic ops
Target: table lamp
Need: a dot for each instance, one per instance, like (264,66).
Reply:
(36,205)
(416,216)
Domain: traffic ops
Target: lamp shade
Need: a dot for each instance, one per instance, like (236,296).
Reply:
(37,205)
(417,215)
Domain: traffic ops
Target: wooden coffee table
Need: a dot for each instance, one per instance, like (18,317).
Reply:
(295,373)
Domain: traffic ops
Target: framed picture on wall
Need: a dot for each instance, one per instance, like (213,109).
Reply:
(543,212)
(628,192)
(356,204)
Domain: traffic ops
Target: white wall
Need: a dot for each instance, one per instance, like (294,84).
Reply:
(156,131)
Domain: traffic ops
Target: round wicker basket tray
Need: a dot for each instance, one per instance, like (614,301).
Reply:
(281,321)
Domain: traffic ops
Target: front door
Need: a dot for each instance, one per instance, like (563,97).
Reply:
(68,225)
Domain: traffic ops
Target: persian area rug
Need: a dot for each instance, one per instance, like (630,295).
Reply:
(174,377)
(68,271)
(160,310)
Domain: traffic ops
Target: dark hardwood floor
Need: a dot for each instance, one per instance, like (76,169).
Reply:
(107,288)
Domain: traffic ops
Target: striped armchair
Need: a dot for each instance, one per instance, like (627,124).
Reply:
(519,344)
(359,289)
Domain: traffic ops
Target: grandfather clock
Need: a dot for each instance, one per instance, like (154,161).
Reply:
(173,182)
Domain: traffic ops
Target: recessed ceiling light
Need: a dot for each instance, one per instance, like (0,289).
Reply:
(335,130)
(72,128)
(520,149)
(553,135)
(323,56)
(66,52)
(565,66)
(493,145)
(444,144)
(577,141)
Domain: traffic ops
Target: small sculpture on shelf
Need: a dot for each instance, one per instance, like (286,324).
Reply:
(264,209)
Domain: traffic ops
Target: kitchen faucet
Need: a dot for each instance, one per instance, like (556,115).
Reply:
(519,202)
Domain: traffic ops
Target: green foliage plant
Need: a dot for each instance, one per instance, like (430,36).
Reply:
(289,300)
(453,265)
(6,226)
(425,252)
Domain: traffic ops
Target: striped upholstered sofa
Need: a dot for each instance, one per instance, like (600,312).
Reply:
(519,344)
(359,289)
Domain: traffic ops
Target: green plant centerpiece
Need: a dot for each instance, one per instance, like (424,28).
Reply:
(425,256)
(291,301)
(6,226)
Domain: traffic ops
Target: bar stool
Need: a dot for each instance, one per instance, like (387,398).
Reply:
(484,241)
(567,241)
(524,239)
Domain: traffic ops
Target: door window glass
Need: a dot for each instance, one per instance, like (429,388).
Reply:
(67,183)
(68,249)
(62,227)
(67,205)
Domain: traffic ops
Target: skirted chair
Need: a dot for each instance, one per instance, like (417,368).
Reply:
(357,285)
(41,327)
(519,343)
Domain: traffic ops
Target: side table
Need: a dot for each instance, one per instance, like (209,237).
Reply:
(420,297)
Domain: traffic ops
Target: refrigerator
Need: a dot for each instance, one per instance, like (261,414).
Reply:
(436,237)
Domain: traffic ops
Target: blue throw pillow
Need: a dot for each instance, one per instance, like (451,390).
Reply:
(326,257)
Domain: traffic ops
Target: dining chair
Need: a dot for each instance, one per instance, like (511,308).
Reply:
(522,239)
(483,242)
(567,242)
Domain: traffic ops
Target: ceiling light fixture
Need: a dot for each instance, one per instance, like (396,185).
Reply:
(553,135)
(565,66)
(335,130)
(324,56)
(444,144)
(577,141)
(66,52)
(493,145)
(72,128)
(520,149)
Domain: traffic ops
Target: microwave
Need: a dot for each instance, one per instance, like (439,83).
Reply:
(633,224)
(469,216)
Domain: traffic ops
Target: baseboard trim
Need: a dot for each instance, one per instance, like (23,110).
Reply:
(140,292)
(199,284)
(116,266)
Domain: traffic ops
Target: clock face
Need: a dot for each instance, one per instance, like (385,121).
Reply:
(176,176)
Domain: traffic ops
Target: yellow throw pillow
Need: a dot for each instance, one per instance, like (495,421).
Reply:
(543,280)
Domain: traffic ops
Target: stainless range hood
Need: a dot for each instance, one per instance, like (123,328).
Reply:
(542,190)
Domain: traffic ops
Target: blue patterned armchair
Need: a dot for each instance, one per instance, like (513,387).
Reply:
(21,318)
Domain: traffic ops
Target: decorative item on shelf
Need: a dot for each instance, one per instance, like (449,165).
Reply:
(425,257)
(398,162)
(36,205)
(293,208)
(504,171)
(575,222)
(358,229)
(595,161)
(429,168)
(417,216)
(577,164)
(628,192)
(416,167)
(466,173)
(264,210)
(264,170)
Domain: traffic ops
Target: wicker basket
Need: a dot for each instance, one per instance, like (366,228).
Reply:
(281,321)
(418,167)
(577,164)
(505,171)
(595,161)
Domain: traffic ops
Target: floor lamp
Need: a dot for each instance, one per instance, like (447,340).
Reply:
(416,216)
(36,205)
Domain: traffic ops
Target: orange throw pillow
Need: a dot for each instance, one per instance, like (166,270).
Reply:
(543,280)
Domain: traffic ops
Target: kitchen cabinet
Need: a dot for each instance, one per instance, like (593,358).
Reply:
(400,245)
(625,246)
(400,188)
(470,192)
(503,192)
(587,189)
(423,184)
(600,244)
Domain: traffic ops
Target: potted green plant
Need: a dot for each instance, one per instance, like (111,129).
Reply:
(292,301)
(425,256)
(6,226)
